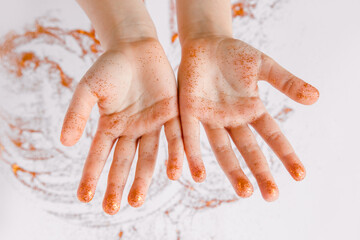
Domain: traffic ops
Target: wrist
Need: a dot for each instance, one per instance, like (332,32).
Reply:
(118,20)
(203,19)
(189,39)
(127,31)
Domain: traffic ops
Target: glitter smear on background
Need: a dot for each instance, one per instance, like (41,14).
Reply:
(39,69)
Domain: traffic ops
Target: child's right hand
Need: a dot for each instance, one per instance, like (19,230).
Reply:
(135,89)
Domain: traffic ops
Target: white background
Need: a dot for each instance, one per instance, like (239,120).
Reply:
(317,40)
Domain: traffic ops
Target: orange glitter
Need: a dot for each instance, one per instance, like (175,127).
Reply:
(136,198)
(297,172)
(111,205)
(173,171)
(187,185)
(174,37)
(282,115)
(242,9)
(17,62)
(85,193)
(121,233)
(244,188)
(308,92)
(94,47)
(238,10)
(271,188)
(213,203)
(15,168)
(199,175)
(17,143)
(65,80)
(209,203)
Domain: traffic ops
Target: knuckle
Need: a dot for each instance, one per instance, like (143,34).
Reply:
(289,84)
(223,149)
(274,136)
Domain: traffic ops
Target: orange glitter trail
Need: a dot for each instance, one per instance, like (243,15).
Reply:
(17,62)
(213,203)
(174,37)
(238,10)
(282,115)
(242,9)
(15,168)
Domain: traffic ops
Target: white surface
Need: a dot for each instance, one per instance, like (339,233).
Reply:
(318,41)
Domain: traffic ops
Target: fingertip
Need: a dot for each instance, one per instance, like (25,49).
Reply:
(84,198)
(136,198)
(272,194)
(244,188)
(316,94)
(307,94)
(66,140)
(272,198)
(73,127)
(298,172)
(269,190)
(199,175)
(110,204)
(197,169)
(85,193)
(174,172)
(110,211)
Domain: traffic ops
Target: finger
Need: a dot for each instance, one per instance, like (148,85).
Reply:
(191,134)
(98,154)
(271,133)
(287,83)
(148,148)
(123,156)
(77,115)
(175,148)
(220,144)
(245,141)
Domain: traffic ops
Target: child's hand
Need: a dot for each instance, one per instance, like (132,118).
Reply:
(136,92)
(218,86)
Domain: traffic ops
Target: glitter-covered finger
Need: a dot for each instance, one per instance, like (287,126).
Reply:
(267,127)
(98,154)
(191,134)
(175,148)
(287,83)
(245,141)
(221,146)
(77,115)
(123,157)
(148,148)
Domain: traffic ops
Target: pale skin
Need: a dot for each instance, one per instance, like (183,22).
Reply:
(218,78)
(135,89)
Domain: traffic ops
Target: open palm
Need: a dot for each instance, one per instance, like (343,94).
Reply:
(218,86)
(135,89)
